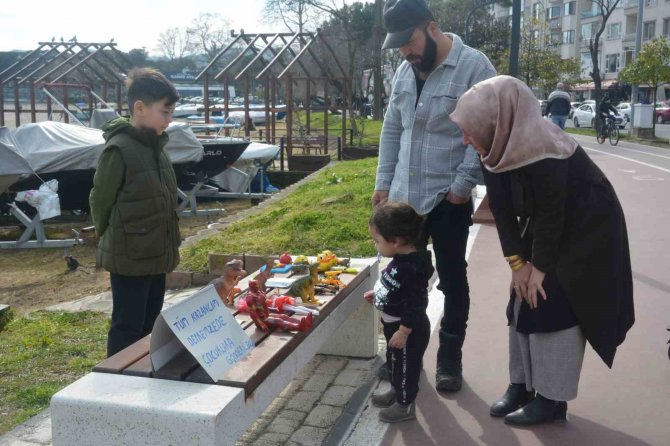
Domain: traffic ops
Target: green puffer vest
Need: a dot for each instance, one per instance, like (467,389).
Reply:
(143,234)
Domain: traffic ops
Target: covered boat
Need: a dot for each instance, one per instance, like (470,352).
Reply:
(69,153)
(12,165)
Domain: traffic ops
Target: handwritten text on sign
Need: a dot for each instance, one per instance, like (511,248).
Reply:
(209,331)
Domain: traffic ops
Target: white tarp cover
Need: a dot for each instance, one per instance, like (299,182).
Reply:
(55,146)
(237,179)
(12,165)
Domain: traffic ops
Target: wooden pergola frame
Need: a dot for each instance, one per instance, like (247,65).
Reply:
(284,57)
(66,65)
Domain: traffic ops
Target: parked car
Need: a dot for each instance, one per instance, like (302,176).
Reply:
(585,115)
(661,112)
(624,110)
(573,106)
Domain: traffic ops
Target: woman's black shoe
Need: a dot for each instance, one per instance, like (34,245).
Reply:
(540,410)
(515,397)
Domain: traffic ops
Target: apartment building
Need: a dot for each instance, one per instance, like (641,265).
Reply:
(571,23)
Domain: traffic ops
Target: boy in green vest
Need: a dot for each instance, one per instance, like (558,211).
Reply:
(133,205)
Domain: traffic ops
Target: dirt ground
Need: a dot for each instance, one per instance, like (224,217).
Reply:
(31,279)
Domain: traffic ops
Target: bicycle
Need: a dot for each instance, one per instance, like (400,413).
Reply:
(609,130)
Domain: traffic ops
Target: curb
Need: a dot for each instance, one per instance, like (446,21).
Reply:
(353,409)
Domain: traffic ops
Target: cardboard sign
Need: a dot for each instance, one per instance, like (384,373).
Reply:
(206,328)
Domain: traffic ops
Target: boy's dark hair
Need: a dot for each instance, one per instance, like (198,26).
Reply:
(149,85)
(396,219)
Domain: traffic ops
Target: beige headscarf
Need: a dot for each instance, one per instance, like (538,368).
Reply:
(503,115)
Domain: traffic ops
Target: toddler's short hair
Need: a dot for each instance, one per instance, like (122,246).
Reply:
(396,219)
(149,85)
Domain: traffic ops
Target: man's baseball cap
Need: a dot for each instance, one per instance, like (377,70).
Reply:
(401,17)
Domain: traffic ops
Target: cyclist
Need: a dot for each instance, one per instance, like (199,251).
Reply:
(604,111)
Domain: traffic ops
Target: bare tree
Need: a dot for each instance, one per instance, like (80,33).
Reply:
(604,9)
(174,43)
(295,14)
(209,33)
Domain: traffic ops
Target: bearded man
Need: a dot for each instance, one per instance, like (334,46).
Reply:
(424,162)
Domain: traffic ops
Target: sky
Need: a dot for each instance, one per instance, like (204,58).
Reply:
(132,24)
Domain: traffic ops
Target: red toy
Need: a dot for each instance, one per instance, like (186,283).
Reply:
(264,320)
(285,258)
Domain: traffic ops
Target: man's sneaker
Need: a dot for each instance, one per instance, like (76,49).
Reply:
(397,412)
(383,399)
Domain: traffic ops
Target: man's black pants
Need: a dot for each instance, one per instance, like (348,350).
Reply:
(449,226)
(137,303)
(406,363)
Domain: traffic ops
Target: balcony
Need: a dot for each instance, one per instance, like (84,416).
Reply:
(629,37)
(589,14)
(627,4)
(555,24)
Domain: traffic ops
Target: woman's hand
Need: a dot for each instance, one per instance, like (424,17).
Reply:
(520,281)
(535,286)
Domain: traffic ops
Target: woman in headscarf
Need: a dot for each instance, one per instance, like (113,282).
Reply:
(563,233)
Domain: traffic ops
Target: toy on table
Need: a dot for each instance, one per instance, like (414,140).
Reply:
(327,259)
(225,285)
(256,301)
(264,274)
(283,303)
(279,304)
(303,287)
(332,278)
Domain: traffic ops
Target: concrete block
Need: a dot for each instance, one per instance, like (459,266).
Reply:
(200,279)
(357,336)
(217,262)
(331,366)
(323,416)
(117,410)
(177,280)
(309,436)
(290,414)
(361,364)
(318,382)
(303,401)
(272,439)
(283,426)
(337,395)
(353,378)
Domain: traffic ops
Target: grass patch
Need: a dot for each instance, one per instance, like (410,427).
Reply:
(369,129)
(330,212)
(40,354)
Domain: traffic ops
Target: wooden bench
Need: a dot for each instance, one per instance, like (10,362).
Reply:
(318,143)
(346,325)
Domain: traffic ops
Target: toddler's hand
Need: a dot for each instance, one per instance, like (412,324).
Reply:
(369,296)
(398,340)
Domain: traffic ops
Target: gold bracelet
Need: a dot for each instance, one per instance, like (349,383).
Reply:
(518,266)
(517,262)
(513,258)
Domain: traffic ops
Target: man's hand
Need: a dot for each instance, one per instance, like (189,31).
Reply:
(379,197)
(455,199)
